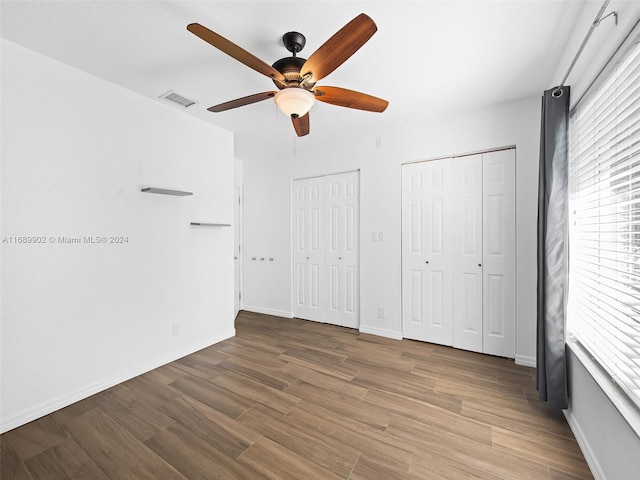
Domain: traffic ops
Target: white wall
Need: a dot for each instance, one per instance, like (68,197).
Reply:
(608,442)
(77,318)
(267,218)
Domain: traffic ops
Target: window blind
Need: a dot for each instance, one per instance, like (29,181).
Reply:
(604,231)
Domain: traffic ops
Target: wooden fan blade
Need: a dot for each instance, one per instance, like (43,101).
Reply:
(335,51)
(240,102)
(234,51)
(350,99)
(301,125)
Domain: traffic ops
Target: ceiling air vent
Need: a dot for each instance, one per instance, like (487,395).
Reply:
(173,97)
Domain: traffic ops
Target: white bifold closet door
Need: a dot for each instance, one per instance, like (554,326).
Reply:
(426,252)
(458,252)
(325,249)
(467,255)
(499,253)
(308,248)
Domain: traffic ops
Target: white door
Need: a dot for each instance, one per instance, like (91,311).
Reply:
(341,214)
(308,248)
(467,253)
(427,251)
(325,249)
(499,241)
(458,252)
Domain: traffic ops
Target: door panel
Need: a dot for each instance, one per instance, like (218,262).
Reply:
(426,252)
(467,256)
(499,309)
(302,291)
(350,228)
(495,235)
(314,288)
(351,299)
(495,311)
(334,288)
(334,229)
(308,244)
(414,267)
(415,227)
(438,200)
(436,228)
(434,297)
(471,315)
(415,291)
(314,230)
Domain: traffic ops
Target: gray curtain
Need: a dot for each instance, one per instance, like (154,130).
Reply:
(552,248)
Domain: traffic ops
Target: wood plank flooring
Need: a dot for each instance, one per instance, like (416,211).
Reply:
(290,399)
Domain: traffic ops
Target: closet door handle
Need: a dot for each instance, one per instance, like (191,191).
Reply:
(479,264)
(426,261)
(307,258)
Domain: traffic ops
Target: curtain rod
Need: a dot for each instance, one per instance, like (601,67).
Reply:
(557,92)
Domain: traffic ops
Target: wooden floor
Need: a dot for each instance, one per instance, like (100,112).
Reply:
(293,399)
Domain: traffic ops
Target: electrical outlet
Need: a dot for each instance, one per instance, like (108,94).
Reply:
(380,312)
(176,329)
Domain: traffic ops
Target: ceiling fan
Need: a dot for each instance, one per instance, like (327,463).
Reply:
(296,77)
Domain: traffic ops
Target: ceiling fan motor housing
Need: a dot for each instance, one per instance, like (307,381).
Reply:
(290,68)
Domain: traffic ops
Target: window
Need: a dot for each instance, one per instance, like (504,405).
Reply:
(604,230)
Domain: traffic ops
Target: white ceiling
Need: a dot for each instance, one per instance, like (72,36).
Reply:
(427,57)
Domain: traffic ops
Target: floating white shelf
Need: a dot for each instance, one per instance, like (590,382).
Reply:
(165,191)
(201,224)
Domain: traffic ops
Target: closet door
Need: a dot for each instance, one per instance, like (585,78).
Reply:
(427,252)
(458,252)
(414,269)
(499,241)
(325,249)
(308,248)
(341,259)
(467,253)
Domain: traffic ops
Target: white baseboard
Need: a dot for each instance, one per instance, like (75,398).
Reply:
(268,311)
(381,332)
(583,442)
(51,406)
(526,361)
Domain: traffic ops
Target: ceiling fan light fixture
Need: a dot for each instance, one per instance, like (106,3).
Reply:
(294,101)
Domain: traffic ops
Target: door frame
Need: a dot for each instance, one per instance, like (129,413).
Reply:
(237,248)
